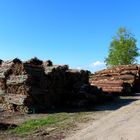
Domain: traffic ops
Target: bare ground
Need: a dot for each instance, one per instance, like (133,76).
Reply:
(118,120)
(121,124)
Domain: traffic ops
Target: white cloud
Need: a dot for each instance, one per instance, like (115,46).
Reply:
(93,67)
(97,64)
(79,68)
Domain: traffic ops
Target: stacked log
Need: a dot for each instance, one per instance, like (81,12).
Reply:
(119,79)
(110,86)
(4,72)
(16,88)
(37,84)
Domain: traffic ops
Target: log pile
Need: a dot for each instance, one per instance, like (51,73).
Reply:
(122,79)
(37,84)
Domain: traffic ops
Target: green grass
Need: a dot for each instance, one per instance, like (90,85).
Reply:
(30,126)
(59,121)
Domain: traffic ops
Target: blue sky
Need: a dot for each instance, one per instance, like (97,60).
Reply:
(73,32)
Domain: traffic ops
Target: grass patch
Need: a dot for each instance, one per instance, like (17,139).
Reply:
(30,126)
(60,121)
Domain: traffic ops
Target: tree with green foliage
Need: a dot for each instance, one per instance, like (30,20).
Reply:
(123,49)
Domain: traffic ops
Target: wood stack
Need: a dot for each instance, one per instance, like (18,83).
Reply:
(37,84)
(16,86)
(120,79)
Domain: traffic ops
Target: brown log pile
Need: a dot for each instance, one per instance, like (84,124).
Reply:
(37,84)
(122,79)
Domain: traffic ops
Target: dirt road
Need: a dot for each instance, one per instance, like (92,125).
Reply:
(121,124)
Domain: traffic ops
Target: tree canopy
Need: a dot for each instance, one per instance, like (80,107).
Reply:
(123,49)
